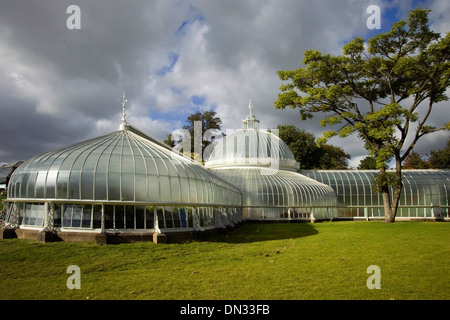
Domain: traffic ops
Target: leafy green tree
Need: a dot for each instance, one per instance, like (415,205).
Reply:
(201,129)
(302,143)
(204,128)
(440,158)
(332,158)
(306,151)
(368,163)
(415,161)
(374,90)
(169,141)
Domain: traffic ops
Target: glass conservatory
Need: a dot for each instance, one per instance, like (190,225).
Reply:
(122,182)
(264,168)
(425,193)
(127,184)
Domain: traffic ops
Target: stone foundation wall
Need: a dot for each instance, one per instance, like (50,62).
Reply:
(105,238)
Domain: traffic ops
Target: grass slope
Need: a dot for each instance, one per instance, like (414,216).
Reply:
(255,261)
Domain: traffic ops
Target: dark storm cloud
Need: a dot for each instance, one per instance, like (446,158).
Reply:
(26,132)
(111,32)
(59,81)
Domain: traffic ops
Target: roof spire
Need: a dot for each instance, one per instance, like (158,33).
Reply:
(124,125)
(251,122)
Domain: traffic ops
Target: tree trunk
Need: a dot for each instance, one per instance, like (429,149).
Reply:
(390,209)
(395,201)
(397,188)
(389,215)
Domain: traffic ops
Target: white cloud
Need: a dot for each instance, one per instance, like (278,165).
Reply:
(439,17)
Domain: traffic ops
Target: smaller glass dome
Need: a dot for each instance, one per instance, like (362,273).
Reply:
(252,147)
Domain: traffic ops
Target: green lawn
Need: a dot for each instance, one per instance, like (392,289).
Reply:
(325,260)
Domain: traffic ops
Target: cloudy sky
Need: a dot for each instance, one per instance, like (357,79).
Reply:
(172,57)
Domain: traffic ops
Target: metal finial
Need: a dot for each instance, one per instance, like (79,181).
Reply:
(124,101)
(124,125)
(251,122)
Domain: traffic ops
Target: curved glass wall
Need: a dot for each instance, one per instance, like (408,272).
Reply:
(128,177)
(120,217)
(425,193)
(280,194)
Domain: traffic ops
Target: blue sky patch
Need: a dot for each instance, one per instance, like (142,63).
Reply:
(198,100)
(196,16)
(173,59)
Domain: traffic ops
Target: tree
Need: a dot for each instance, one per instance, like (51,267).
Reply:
(376,90)
(306,151)
(169,141)
(201,129)
(368,163)
(440,159)
(415,161)
(332,158)
(302,143)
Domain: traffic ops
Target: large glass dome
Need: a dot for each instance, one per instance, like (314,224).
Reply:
(264,168)
(122,166)
(124,181)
